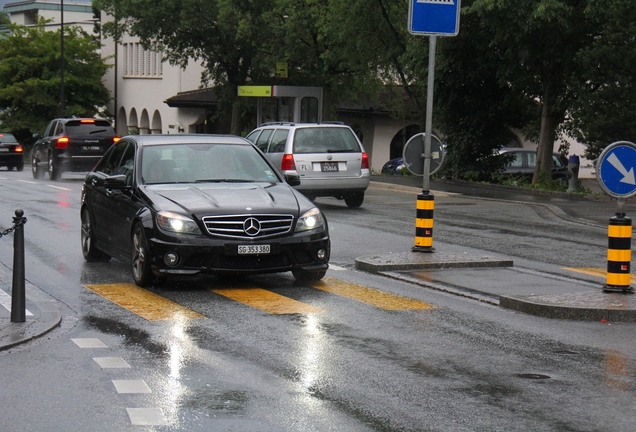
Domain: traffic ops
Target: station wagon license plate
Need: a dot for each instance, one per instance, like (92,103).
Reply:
(329,166)
(253,249)
(4,149)
(91,148)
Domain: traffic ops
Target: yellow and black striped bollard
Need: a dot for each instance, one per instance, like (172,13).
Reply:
(619,254)
(424,223)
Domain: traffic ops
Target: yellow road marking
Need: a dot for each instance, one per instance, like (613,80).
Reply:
(148,305)
(266,300)
(370,296)
(596,272)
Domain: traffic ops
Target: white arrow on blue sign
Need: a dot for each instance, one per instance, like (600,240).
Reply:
(615,169)
(434,17)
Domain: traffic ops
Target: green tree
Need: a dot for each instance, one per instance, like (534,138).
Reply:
(605,108)
(30,77)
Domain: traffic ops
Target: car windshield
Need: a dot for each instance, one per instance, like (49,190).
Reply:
(197,163)
(7,138)
(325,140)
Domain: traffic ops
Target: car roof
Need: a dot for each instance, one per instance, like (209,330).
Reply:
(303,125)
(163,139)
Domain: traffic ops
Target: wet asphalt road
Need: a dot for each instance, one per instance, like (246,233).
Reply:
(460,366)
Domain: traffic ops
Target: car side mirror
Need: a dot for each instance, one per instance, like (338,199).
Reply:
(37,135)
(292,179)
(116,182)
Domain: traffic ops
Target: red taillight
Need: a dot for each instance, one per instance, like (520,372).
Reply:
(365,160)
(62,143)
(90,121)
(19,149)
(116,138)
(288,163)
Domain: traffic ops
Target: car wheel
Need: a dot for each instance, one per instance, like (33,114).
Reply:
(303,275)
(141,271)
(54,171)
(36,169)
(19,166)
(90,252)
(354,200)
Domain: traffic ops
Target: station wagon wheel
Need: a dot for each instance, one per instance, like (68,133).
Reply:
(141,272)
(36,169)
(302,275)
(90,252)
(54,171)
(354,200)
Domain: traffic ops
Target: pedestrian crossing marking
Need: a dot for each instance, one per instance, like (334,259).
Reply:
(148,305)
(370,296)
(266,301)
(600,272)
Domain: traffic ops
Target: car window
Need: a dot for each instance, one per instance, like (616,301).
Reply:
(194,163)
(325,140)
(557,162)
(278,141)
(517,162)
(262,140)
(7,138)
(127,164)
(78,128)
(532,159)
(111,160)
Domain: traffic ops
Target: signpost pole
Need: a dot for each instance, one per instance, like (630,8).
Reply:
(429,114)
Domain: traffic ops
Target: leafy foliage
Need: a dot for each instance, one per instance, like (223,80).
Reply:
(30,77)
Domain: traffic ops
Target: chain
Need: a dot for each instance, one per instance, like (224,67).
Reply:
(21,222)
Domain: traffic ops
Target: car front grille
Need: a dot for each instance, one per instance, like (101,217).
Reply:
(249,226)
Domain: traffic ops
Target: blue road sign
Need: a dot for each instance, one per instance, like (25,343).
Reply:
(615,169)
(434,17)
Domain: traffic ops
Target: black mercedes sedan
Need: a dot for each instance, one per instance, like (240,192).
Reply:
(179,205)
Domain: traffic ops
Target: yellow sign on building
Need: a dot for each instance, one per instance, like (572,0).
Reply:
(282,70)
(255,91)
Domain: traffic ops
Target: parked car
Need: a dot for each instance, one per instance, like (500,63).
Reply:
(524,161)
(176,205)
(394,166)
(11,152)
(71,144)
(329,158)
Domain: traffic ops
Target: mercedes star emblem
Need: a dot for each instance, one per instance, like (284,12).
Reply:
(251,226)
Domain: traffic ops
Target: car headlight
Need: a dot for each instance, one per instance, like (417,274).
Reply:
(176,223)
(311,219)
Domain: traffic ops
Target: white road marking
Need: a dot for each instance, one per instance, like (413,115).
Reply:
(5,301)
(131,386)
(146,416)
(89,343)
(111,362)
(59,187)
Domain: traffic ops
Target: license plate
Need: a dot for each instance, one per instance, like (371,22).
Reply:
(4,149)
(329,166)
(91,148)
(253,249)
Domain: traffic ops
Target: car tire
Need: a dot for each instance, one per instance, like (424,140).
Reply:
(302,275)
(90,252)
(19,166)
(140,263)
(36,169)
(54,171)
(354,200)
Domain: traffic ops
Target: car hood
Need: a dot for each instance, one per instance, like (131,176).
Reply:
(205,199)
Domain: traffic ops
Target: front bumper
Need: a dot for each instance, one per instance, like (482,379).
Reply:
(215,256)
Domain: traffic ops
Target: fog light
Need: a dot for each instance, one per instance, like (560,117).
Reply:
(321,254)
(171,259)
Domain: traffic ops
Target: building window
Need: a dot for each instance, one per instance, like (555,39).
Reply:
(140,62)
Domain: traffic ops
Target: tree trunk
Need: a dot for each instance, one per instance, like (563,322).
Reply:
(236,117)
(543,169)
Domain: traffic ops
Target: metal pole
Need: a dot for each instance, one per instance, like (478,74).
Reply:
(62,95)
(18,296)
(429,113)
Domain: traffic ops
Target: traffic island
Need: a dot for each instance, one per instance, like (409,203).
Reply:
(403,261)
(581,306)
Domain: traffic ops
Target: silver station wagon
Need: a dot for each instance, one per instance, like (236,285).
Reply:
(328,157)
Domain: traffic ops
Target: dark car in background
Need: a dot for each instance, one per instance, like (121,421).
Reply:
(71,144)
(183,205)
(394,167)
(524,161)
(11,152)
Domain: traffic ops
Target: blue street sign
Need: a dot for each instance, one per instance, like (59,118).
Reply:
(434,17)
(615,169)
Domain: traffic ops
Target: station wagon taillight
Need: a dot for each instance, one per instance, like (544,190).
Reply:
(365,160)
(61,143)
(18,149)
(288,163)
(116,138)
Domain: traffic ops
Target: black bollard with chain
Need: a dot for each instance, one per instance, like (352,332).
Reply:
(18,296)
